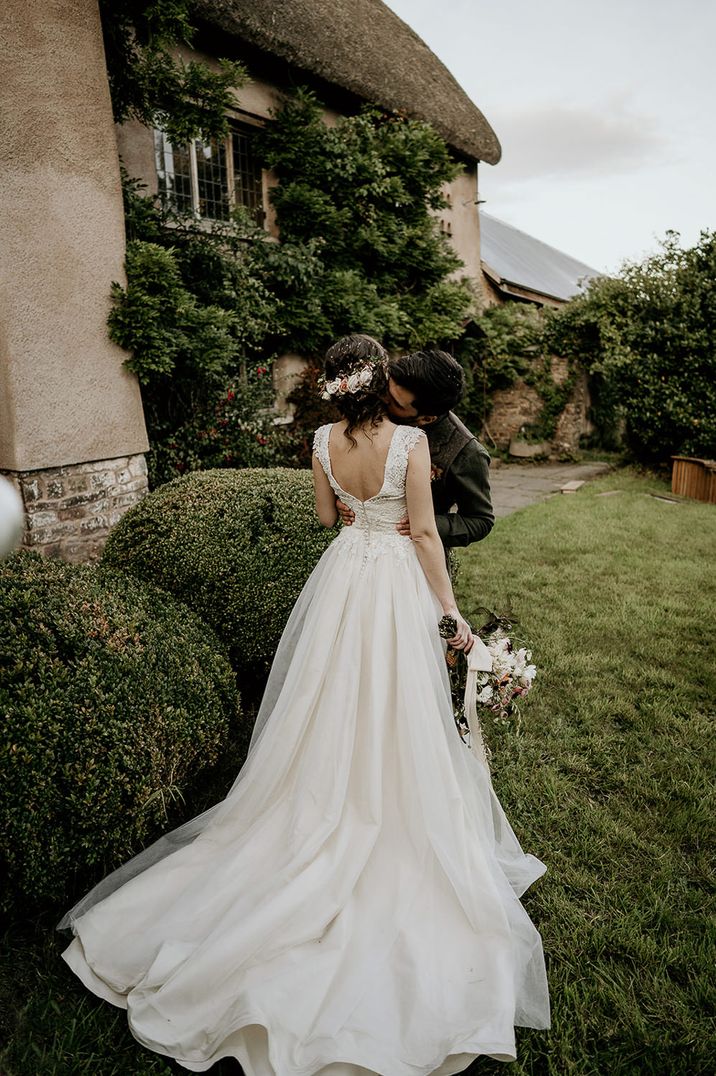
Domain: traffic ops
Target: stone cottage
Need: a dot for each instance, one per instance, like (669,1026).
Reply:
(72,432)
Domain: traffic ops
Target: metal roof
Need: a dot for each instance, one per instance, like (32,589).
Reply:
(513,258)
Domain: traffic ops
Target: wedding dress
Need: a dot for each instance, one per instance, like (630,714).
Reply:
(351,907)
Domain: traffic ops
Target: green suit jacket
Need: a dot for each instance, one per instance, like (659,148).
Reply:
(461,480)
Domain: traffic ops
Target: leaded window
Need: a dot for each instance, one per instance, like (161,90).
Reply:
(209,179)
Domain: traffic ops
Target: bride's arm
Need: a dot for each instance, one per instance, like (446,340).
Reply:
(424,533)
(325,497)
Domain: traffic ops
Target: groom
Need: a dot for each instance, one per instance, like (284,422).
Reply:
(422,390)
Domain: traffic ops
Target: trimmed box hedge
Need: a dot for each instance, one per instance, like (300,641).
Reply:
(236,546)
(112,697)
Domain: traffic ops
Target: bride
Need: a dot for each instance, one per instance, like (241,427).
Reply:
(351,907)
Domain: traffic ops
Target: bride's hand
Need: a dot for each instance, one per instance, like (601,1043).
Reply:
(463,638)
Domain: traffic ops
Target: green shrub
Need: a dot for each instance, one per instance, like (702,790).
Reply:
(112,695)
(237,546)
(647,338)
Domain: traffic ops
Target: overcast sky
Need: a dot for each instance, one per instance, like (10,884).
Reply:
(606,113)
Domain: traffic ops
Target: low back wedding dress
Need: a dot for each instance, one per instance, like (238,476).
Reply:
(351,907)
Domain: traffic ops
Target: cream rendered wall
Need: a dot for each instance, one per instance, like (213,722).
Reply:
(64,394)
(464,220)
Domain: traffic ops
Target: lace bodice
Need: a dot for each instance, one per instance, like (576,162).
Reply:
(378,515)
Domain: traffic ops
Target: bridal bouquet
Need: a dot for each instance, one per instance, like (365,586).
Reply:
(502,677)
(509,681)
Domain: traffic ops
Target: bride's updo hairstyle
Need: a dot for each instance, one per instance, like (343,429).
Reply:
(356,380)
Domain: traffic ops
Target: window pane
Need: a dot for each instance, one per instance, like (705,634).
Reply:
(213,181)
(248,189)
(173,173)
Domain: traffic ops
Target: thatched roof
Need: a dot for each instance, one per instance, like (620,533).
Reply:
(363,47)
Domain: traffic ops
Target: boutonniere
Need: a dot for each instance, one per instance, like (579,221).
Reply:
(435,473)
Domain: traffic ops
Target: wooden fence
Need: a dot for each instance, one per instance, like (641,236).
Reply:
(694,478)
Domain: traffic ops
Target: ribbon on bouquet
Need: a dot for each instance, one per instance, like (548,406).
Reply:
(478,660)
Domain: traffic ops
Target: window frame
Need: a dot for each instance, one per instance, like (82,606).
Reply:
(237,121)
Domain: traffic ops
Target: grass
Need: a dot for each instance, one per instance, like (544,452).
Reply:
(607,779)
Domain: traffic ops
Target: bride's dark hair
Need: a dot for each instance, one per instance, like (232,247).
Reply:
(350,355)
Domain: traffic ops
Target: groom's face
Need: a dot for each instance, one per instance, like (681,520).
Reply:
(401,406)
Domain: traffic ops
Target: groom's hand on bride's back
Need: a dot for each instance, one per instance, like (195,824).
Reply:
(347,514)
(404,527)
(348,517)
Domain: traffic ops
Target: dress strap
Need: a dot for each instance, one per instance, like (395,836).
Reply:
(320,447)
(405,438)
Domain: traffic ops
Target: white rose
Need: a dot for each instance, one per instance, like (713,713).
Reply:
(485,695)
(366,375)
(354,383)
(332,387)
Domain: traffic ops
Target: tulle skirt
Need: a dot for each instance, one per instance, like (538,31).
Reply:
(351,906)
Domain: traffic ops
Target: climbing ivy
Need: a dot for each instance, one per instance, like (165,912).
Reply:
(360,195)
(503,345)
(359,249)
(194,316)
(554,396)
(148,81)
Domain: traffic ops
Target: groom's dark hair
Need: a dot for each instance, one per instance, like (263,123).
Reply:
(434,377)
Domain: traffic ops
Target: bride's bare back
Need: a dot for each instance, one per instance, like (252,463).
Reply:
(359,468)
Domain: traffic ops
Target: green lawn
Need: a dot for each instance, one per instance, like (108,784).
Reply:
(607,780)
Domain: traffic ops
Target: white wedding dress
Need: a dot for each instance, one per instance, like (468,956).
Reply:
(351,907)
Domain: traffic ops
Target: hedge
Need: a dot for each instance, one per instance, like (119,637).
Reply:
(235,545)
(112,697)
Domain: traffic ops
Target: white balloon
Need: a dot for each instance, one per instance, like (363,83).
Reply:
(12,517)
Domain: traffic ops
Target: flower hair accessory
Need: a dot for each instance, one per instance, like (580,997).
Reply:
(350,384)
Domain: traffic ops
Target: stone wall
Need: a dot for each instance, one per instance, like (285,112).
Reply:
(70,510)
(574,422)
(520,405)
(512,408)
